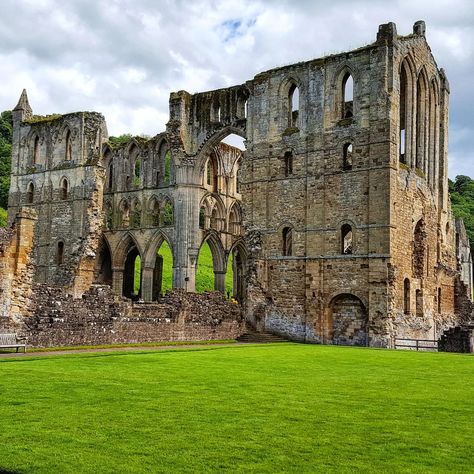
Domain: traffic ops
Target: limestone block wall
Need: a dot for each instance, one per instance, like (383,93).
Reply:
(100,317)
(55,172)
(16,269)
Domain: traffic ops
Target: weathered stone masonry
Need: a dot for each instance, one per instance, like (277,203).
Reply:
(337,214)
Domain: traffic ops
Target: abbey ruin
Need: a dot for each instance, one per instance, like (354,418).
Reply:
(337,213)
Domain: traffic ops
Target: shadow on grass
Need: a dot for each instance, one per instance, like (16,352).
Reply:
(9,471)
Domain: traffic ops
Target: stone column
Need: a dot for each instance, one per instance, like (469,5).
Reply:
(117,280)
(147,284)
(219,281)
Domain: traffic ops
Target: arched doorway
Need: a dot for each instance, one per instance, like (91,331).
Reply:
(132,275)
(162,271)
(348,321)
(235,275)
(210,266)
(103,269)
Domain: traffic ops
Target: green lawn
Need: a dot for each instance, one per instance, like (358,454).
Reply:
(268,408)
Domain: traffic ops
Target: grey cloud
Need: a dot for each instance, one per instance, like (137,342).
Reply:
(129,55)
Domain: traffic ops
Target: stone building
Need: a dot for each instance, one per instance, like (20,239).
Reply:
(337,213)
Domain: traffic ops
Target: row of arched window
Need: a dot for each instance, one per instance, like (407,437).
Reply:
(419,121)
(214,218)
(407,309)
(160,213)
(346,240)
(129,173)
(344,100)
(63,191)
(35,155)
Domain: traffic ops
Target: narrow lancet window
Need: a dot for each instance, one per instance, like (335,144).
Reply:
(293,105)
(347,96)
(287,241)
(346,238)
(347,160)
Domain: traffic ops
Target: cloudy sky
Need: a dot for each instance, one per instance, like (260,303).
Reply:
(124,57)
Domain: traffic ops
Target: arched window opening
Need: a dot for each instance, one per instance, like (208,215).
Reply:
(202,217)
(64,189)
(447,231)
(421,104)
(108,217)
(60,253)
(347,159)
(246,108)
(103,267)
(218,114)
(235,276)
(293,105)
(346,239)
(110,177)
(125,221)
(128,183)
(36,150)
(347,96)
(163,271)
(212,173)
(137,173)
(287,241)
(68,147)
(288,163)
(214,220)
(419,302)
(403,114)
(167,168)
(30,195)
(155,213)
(136,215)
(419,247)
(439,300)
(406,296)
(235,220)
(168,216)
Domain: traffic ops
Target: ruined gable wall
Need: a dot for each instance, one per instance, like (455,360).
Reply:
(74,219)
(417,195)
(319,196)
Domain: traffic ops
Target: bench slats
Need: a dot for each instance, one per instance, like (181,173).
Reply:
(11,341)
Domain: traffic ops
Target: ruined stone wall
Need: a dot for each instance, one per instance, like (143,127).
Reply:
(100,317)
(16,269)
(55,172)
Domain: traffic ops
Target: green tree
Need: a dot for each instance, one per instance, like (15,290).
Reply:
(6,130)
(461,191)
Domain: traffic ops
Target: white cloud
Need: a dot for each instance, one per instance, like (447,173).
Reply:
(124,57)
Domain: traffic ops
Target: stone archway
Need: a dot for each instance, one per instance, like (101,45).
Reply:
(349,321)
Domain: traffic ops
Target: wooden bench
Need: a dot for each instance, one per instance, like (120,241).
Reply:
(8,341)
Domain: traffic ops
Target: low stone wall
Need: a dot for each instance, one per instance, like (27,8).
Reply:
(100,317)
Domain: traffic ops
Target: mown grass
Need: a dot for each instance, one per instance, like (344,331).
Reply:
(268,408)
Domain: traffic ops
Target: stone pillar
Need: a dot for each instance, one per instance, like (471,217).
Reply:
(147,284)
(117,280)
(219,281)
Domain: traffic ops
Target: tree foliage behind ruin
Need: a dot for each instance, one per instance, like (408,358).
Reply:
(6,128)
(461,191)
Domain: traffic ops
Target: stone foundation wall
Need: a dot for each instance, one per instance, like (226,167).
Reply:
(100,317)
